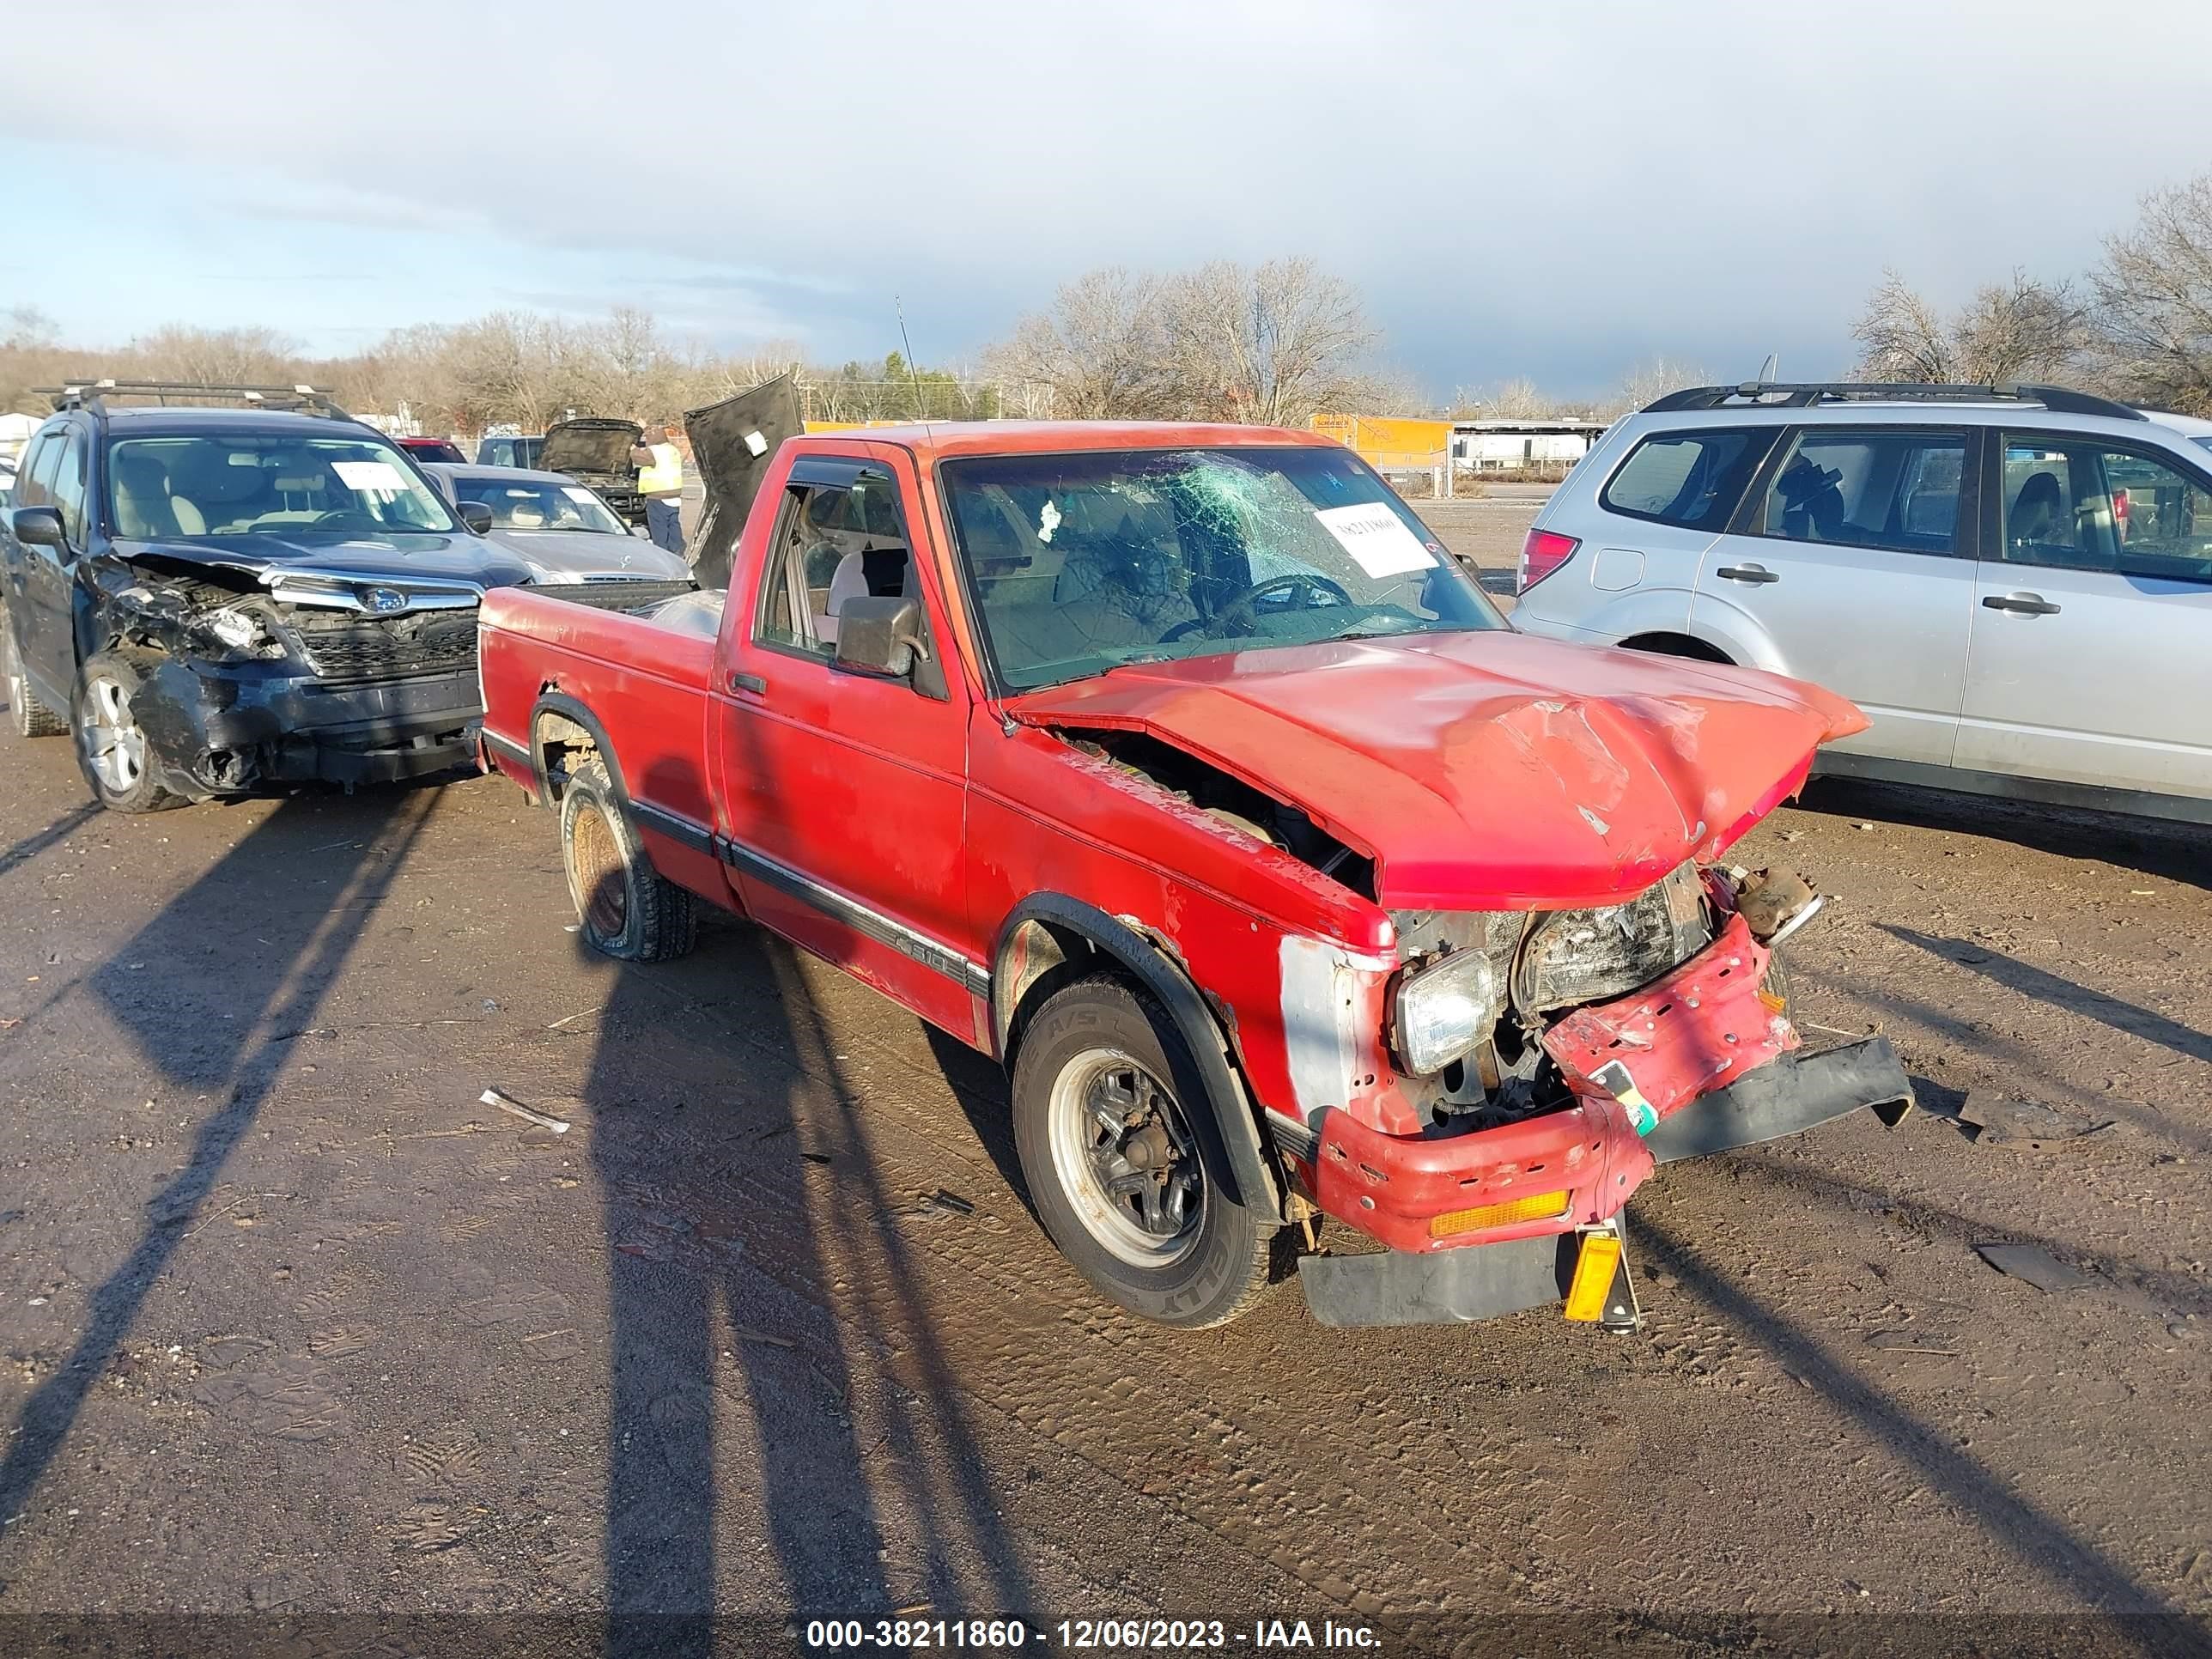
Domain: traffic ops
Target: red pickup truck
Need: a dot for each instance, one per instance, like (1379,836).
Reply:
(1181,770)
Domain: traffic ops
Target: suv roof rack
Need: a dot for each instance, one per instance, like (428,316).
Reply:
(1774,394)
(88,392)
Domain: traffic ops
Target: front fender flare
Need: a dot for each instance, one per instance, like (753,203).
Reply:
(1229,1129)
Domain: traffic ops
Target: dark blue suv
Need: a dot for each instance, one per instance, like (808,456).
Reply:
(212,599)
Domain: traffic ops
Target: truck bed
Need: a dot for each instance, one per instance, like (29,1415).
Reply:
(637,683)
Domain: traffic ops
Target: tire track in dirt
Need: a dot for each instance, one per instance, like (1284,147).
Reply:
(1127,1400)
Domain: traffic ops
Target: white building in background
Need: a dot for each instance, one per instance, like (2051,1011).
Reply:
(16,431)
(1500,446)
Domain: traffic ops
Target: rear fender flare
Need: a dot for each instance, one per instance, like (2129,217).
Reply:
(560,703)
(1229,1128)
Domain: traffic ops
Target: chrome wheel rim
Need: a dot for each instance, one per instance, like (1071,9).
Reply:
(114,745)
(1126,1159)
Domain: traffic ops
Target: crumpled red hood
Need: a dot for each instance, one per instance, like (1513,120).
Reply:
(1485,770)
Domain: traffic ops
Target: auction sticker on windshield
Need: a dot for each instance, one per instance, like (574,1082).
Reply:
(575,493)
(1376,537)
(368,475)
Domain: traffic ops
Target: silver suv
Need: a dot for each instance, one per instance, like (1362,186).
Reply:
(2014,582)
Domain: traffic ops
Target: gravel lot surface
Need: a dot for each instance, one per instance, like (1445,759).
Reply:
(291,1321)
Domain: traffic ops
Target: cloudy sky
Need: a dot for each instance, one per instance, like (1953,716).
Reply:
(1549,190)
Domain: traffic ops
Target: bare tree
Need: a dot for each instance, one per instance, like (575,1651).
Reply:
(1102,349)
(27,328)
(1270,345)
(2023,329)
(1516,399)
(219,356)
(2152,318)
(1648,382)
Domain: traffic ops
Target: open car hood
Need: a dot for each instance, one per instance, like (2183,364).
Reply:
(1483,770)
(589,445)
(732,442)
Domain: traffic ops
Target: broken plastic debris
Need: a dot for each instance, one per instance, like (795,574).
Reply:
(945,1199)
(2022,1125)
(515,1107)
(2035,1264)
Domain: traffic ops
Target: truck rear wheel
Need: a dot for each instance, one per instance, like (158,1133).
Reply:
(32,717)
(111,747)
(1103,1088)
(627,909)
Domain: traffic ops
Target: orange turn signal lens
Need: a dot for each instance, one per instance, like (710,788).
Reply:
(1537,1207)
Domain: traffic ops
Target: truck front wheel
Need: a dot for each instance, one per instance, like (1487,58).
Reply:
(627,909)
(1103,1088)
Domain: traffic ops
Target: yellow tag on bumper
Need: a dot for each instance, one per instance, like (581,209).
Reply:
(1596,1263)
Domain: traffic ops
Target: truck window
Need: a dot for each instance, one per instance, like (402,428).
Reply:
(832,543)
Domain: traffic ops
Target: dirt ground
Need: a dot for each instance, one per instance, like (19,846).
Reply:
(292,1321)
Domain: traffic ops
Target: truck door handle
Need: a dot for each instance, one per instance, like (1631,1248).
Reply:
(1753,574)
(2025,604)
(752,683)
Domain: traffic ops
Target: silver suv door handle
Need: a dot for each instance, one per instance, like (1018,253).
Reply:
(1753,574)
(2025,604)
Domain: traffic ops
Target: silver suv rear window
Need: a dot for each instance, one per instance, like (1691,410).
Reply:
(1693,479)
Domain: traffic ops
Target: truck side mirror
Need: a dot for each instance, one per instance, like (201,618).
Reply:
(37,526)
(886,639)
(475,514)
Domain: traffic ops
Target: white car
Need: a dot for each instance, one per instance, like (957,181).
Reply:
(2014,582)
(566,532)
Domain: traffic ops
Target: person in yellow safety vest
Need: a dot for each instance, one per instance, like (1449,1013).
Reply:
(660,481)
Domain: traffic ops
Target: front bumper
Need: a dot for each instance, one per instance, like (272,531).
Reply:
(219,729)
(1700,1061)
(1508,1273)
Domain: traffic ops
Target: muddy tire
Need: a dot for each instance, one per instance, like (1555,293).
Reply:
(112,750)
(625,907)
(1104,1086)
(30,717)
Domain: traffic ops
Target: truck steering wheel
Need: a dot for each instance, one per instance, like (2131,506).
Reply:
(1312,591)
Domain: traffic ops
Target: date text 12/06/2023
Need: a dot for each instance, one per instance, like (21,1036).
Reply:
(1081,1635)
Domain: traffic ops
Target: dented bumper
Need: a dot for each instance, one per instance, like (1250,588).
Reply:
(1422,1283)
(1700,1061)
(216,729)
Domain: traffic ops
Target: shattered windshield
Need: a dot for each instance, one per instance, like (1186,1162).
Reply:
(1081,562)
(249,483)
(535,504)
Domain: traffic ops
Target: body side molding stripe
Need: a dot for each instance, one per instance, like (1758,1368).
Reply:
(973,976)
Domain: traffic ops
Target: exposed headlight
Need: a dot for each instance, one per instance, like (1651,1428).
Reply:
(1585,956)
(1444,1009)
(237,629)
